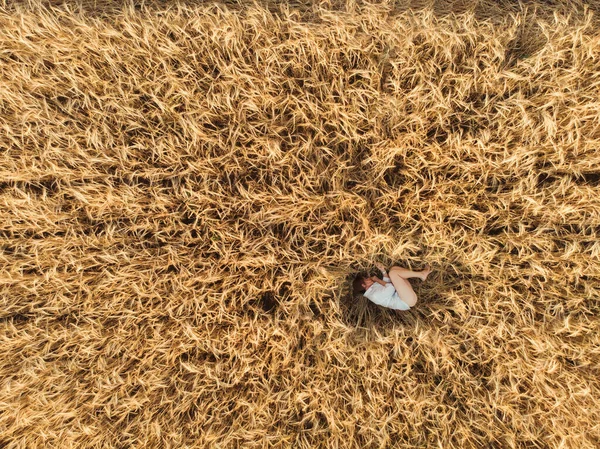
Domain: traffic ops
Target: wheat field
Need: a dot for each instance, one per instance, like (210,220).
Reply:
(187,190)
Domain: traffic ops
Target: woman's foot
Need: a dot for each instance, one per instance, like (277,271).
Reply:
(425,272)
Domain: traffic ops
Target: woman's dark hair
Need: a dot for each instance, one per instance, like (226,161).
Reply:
(357,284)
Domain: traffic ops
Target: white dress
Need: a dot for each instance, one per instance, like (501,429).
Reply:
(385,295)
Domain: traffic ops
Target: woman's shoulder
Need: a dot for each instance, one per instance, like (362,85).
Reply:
(375,289)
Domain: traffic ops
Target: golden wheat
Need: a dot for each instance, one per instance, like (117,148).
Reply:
(187,191)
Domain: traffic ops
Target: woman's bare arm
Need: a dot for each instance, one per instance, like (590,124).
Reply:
(382,268)
(379,281)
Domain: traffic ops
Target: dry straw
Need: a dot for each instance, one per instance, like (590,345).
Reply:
(187,190)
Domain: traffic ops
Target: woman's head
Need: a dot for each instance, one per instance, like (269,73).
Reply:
(361,283)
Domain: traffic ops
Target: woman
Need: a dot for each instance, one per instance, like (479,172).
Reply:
(394,291)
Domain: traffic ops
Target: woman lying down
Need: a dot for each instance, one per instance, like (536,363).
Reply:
(393,291)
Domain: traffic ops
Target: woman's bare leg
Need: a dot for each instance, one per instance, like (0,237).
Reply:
(403,287)
(405,273)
